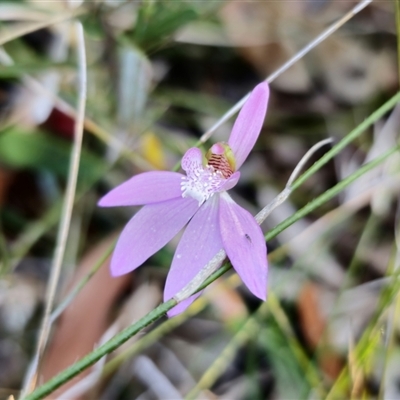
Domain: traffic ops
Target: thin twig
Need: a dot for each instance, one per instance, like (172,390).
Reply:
(81,284)
(266,211)
(320,38)
(62,237)
(19,30)
(152,377)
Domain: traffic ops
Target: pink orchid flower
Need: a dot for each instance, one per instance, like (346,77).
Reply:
(199,200)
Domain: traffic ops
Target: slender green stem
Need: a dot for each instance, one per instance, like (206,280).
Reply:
(126,334)
(372,335)
(100,352)
(154,335)
(81,284)
(311,374)
(249,329)
(329,194)
(33,232)
(379,113)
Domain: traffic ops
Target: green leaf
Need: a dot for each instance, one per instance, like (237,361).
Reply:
(16,71)
(158,21)
(199,102)
(39,150)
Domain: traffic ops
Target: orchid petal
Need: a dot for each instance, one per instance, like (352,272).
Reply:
(192,159)
(146,188)
(231,182)
(248,124)
(148,231)
(200,242)
(244,244)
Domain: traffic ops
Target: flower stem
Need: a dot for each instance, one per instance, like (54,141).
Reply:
(101,351)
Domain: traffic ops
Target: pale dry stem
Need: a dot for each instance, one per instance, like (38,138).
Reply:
(298,56)
(62,236)
(19,30)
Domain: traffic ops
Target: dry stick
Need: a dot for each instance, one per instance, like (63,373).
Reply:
(215,263)
(62,237)
(263,214)
(18,12)
(17,31)
(334,27)
(355,370)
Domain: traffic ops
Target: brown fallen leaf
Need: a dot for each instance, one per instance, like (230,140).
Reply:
(313,325)
(227,303)
(85,320)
